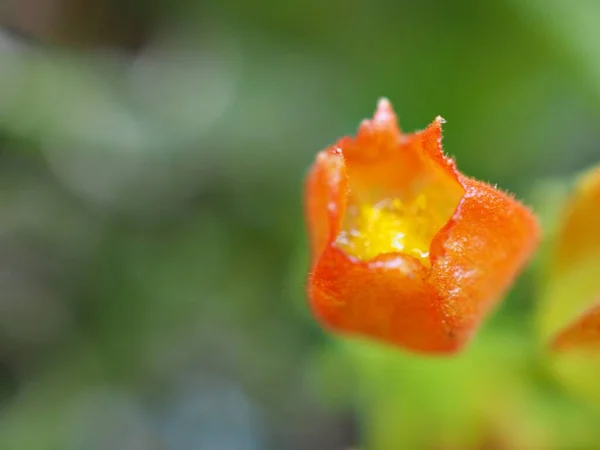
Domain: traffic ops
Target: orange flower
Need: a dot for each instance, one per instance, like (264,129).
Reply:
(406,249)
(570,312)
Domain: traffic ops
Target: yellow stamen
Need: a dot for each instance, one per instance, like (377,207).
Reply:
(390,226)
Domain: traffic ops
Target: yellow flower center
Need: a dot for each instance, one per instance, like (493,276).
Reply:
(388,226)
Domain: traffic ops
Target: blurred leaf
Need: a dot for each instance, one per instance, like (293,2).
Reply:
(464,402)
(575,27)
(578,370)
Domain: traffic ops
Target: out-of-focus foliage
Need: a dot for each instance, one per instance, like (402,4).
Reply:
(491,396)
(152,247)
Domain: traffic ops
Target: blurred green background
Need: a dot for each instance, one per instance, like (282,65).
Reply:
(152,243)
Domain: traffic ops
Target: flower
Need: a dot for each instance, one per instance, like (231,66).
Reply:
(404,248)
(570,312)
(569,309)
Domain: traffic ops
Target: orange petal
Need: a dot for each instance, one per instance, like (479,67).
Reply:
(584,333)
(405,249)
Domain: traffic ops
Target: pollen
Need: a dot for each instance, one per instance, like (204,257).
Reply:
(390,226)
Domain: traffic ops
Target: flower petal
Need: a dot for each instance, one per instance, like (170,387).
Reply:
(325,198)
(583,333)
(572,285)
(479,253)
